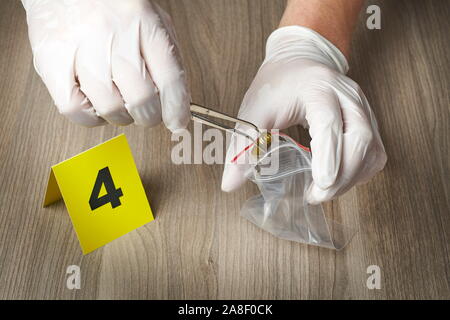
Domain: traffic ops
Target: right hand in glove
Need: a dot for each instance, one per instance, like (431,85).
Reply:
(109,60)
(302,81)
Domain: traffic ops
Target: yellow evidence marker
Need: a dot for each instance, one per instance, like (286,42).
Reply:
(102,191)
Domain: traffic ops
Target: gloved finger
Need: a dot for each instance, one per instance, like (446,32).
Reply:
(93,69)
(357,109)
(367,170)
(352,166)
(237,161)
(166,22)
(378,158)
(164,66)
(257,108)
(323,115)
(358,140)
(135,84)
(375,162)
(54,63)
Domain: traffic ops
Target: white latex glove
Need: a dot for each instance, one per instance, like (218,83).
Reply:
(302,82)
(110,60)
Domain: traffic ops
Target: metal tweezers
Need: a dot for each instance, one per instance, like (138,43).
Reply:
(201,114)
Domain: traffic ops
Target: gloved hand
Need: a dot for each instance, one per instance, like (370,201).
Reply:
(302,82)
(110,60)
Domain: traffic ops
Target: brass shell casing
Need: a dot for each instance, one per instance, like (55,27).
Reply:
(263,144)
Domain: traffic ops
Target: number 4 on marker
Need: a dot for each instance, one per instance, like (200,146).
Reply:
(112,194)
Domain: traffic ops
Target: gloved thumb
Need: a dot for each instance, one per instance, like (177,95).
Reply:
(233,176)
(238,161)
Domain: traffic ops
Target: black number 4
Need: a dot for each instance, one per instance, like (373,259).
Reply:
(112,194)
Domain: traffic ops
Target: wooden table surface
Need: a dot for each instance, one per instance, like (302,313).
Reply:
(199,246)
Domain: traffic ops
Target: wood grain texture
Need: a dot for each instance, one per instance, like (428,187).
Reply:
(199,246)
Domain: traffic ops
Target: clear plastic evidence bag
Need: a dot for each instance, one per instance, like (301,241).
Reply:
(282,172)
